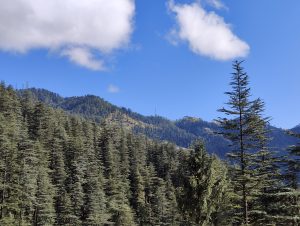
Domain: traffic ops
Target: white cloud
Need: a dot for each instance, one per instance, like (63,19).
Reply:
(113,89)
(206,33)
(84,58)
(172,37)
(216,4)
(61,25)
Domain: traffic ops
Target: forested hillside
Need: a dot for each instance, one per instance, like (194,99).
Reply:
(181,132)
(142,113)
(296,129)
(59,168)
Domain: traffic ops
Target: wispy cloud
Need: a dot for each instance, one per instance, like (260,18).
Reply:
(84,57)
(113,89)
(216,4)
(75,28)
(206,33)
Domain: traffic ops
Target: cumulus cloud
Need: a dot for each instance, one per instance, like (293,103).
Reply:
(207,33)
(113,89)
(74,27)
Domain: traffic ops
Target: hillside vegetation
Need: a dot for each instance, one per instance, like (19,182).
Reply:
(58,168)
(181,132)
(84,162)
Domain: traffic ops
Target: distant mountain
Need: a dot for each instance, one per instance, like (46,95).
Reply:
(296,129)
(96,108)
(207,131)
(181,132)
(280,140)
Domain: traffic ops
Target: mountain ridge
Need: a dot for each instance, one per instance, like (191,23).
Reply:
(182,132)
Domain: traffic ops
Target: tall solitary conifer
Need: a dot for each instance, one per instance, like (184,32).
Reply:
(245,129)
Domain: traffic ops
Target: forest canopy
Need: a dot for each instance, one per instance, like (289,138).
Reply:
(58,168)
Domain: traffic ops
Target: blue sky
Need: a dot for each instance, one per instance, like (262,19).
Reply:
(144,58)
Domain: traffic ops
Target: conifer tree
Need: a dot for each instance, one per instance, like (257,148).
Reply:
(124,162)
(240,130)
(44,212)
(204,187)
(95,203)
(27,161)
(293,165)
(172,215)
(116,185)
(76,165)
(62,200)
(287,201)
(137,198)
(266,169)
(10,123)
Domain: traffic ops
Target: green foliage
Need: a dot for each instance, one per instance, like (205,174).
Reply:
(61,169)
(206,191)
(259,185)
(181,132)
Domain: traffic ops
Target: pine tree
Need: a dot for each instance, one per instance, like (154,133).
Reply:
(293,163)
(62,200)
(245,134)
(117,187)
(10,123)
(153,197)
(27,161)
(95,203)
(137,200)
(75,167)
(287,201)
(44,212)
(124,162)
(204,187)
(172,215)
(266,169)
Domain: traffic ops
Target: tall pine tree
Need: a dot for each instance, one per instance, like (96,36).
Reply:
(246,130)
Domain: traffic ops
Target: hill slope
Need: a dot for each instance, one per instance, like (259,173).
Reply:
(181,132)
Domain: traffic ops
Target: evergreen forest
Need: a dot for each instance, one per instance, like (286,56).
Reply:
(61,168)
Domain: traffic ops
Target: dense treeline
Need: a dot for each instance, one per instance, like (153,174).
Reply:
(95,108)
(60,169)
(181,132)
